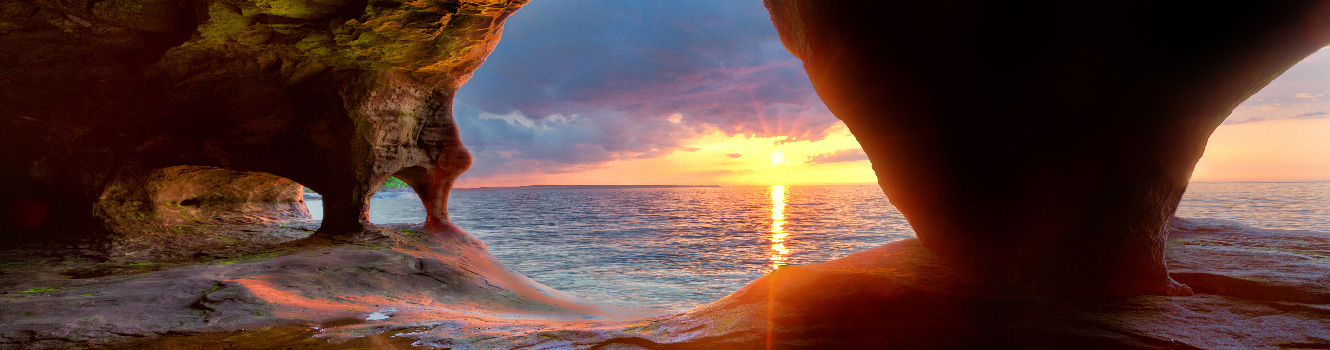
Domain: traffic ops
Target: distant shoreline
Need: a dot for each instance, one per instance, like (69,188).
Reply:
(577,187)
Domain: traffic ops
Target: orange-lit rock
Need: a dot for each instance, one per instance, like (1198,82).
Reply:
(1255,289)
(411,279)
(174,212)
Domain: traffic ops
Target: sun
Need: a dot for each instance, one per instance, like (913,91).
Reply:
(777,158)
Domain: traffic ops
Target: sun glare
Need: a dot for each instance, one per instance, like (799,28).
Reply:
(779,253)
(720,159)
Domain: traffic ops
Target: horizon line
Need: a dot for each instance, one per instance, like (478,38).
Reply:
(810,184)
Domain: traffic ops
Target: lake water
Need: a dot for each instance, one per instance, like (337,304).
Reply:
(676,248)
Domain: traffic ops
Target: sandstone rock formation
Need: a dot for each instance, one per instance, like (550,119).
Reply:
(1038,151)
(1256,289)
(1047,145)
(103,101)
(168,212)
(409,278)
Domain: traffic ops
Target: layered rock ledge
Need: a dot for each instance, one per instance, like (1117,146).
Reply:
(307,294)
(1255,289)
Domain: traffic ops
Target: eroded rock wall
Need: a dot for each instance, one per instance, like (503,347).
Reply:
(1046,145)
(334,95)
(168,212)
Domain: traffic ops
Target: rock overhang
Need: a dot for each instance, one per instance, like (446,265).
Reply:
(338,95)
(335,95)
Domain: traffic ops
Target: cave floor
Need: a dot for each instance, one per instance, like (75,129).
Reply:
(28,270)
(412,288)
(252,296)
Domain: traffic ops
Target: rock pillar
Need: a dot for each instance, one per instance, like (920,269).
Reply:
(1047,145)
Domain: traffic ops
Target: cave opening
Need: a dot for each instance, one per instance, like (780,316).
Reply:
(654,98)
(542,130)
(1264,165)
(181,212)
(392,203)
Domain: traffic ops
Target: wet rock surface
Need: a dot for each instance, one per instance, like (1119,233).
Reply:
(1255,289)
(903,295)
(407,278)
(1227,258)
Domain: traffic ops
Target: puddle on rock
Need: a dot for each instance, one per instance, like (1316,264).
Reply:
(380,315)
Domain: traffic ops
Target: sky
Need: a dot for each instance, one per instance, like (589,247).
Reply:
(630,92)
(1281,133)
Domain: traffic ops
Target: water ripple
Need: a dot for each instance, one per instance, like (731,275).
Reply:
(675,248)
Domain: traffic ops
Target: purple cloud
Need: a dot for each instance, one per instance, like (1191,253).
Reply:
(601,80)
(1244,121)
(848,155)
(1312,115)
(1308,115)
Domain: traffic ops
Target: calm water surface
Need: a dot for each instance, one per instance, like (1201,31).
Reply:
(676,248)
(1275,205)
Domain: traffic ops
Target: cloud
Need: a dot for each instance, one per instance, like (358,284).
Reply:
(519,119)
(574,84)
(675,118)
(734,155)
(514,143)
(1300,84)
(848,155)
(1244,121)
(1312,115)
(1303,116)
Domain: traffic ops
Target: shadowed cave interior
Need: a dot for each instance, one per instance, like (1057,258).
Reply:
(163,146)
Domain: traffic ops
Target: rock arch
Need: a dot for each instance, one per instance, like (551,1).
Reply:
(1048,145)
(336,96)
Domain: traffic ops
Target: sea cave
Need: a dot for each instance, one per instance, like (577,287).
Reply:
(155,154)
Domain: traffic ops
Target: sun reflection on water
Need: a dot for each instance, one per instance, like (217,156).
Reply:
(779,254)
